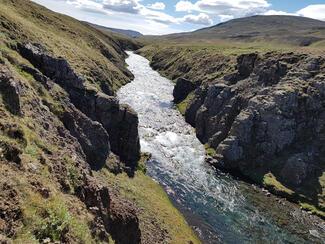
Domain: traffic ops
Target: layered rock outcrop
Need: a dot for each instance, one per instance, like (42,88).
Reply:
(10,90)
(263,115)
(120,121)
(269,111)
(91,135)
(118,217)
(182,88)
(68,146)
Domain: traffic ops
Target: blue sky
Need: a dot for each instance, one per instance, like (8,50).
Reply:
(169,16)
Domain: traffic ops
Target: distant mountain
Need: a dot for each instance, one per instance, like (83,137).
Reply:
(290,29)
(129,33)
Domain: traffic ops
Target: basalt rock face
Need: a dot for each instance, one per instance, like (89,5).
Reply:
(268,115)
(118,217)
(91,135)
(182,88)
(57,69)
(68,145)
(120,121)
(10,90)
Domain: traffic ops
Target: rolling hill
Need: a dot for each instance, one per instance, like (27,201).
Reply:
(294,30)
(129,33)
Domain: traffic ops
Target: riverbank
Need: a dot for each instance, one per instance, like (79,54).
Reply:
(210,66)
(62,130)
(159,220)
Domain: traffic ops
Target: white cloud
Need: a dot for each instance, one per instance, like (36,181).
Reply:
(276,12)
(96,14)
(200,19)
(316,11)
(158,16)
(123,6)
(157,6)
(235,8)
(185,6)
(85,4)
(148,14)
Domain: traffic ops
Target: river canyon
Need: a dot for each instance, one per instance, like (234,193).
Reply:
(218,207)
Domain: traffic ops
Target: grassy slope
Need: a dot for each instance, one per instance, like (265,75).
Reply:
(156,208)
(290,30)
(82,46)
(210,59)
(42,217)
(119,32)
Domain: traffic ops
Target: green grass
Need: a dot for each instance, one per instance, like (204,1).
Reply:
(142,163)
(270,182)
(182,106)
(155,204)
(300,196)
(210,151)
(312,209)
(82,45)
(50,219)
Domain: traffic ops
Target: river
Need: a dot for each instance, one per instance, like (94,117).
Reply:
(220,208)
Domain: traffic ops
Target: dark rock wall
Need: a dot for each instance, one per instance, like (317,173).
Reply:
(68,143)
(120,121)
(266,115)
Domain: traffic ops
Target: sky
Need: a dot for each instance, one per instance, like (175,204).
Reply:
(157,17)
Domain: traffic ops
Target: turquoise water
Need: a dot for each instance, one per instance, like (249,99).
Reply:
(217,206)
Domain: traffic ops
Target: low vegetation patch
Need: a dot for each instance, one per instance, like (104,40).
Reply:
(50,220)
(209,150)
(158,216)
(182,106)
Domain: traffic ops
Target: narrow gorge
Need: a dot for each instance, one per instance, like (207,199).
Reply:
(110,136)
(219,207)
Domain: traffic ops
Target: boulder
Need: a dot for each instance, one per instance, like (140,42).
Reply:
(124,223)
(245,64)
(10,152)
(195,104)
(271,72)
(244,68)
(128,140)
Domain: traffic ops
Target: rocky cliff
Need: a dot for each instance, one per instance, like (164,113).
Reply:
(49,147)
(261,115)
(66,141)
